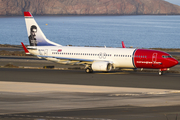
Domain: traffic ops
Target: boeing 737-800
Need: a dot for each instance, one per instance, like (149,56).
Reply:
(94,58)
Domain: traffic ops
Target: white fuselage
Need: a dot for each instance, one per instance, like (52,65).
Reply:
(119,57)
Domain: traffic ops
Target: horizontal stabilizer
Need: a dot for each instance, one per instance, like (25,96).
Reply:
(25,49)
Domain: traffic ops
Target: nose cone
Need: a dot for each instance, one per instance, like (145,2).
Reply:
(171,62)
(174,62)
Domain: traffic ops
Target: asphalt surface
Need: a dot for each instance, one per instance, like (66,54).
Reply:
(168,81)
(11,49)
(79,77)
(20,58)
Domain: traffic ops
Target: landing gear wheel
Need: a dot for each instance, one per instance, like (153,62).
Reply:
(160,72)
(88,70)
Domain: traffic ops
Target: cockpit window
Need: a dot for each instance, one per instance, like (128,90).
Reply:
(166,56)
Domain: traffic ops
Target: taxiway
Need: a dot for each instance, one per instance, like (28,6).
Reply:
(72,94)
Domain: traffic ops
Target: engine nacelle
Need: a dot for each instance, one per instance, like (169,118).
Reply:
(101,66)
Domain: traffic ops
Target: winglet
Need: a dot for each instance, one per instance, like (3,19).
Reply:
(123,45)
(25,49)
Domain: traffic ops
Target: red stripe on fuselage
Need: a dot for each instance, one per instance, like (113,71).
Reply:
(153,59)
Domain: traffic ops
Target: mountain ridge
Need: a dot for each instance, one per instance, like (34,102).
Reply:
(88,7)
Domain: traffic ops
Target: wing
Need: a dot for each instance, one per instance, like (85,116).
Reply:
(66,60)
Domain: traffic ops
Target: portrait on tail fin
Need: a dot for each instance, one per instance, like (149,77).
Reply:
(32,37)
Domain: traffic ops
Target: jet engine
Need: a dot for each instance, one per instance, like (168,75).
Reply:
(101,66)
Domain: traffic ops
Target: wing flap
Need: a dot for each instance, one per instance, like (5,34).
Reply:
(70,61)
(65,59)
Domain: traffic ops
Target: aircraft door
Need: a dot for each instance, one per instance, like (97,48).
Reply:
(104,55)
(154,57)
(100,55)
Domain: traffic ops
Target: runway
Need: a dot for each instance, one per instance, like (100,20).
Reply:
(72,94)
(79,77)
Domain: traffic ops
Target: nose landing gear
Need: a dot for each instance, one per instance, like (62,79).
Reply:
(161,71)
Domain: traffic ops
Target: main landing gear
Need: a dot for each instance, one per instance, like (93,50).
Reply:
(88,70)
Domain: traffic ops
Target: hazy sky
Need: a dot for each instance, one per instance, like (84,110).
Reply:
(174,1)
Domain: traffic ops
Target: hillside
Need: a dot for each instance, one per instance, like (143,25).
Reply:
(88,7)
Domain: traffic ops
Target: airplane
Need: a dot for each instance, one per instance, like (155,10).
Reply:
(94,58)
